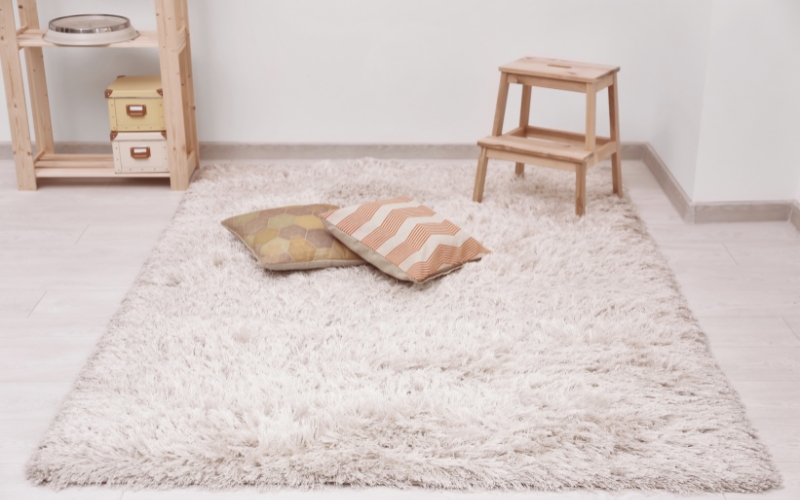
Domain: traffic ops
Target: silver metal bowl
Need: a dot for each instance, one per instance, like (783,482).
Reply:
(90,29)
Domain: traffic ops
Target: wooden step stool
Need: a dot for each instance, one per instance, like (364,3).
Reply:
(554,148)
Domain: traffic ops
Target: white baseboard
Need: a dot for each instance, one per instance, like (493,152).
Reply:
(699,213)
(755,211)
(745,211)
(795,217)
(672,188)
(245,151)
(240,151)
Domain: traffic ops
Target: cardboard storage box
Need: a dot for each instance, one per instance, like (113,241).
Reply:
(136,104)
(140,152)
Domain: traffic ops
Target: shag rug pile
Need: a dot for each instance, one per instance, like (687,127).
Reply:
(565,359)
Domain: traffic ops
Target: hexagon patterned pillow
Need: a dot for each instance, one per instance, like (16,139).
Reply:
(291,238)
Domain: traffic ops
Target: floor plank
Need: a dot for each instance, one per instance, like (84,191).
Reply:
(760,364)
(782,436)
(31,400)
(19,441)
(748,331)
(394,494)
(52,327)
(790,490)
(36,359)
(86,302)
(770,400)
(772,254)
(794,324)
(19,302)
(18,490)
(684,253)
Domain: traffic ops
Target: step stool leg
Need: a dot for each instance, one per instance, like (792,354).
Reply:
(524,120)
(497,131)
(591,116)
(480,177)
(580,189)
(616,173)
(500,110)
(616,158)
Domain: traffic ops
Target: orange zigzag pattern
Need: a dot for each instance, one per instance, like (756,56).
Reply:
(446,255)
(419,235)
(392,223)
(364,213)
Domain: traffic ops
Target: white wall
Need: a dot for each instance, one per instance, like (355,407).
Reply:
(797,196)
(710,83)
(400,71)
(751,108)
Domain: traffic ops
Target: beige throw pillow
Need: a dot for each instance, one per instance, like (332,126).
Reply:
(291,238)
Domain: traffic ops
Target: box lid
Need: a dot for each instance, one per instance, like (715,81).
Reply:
(135,86)
(138,136)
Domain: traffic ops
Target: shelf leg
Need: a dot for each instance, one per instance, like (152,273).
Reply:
(15,98)
(168,17)
(616,158)
(40,101)
(37,82)
(190,106)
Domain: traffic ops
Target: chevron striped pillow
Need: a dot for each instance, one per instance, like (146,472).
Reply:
(403,238)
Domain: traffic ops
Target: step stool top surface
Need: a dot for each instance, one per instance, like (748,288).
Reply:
(558,69)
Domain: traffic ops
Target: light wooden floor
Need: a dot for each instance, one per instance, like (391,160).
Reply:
(69,253)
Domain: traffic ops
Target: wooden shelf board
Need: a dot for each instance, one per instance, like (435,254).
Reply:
(74,161)
(562,136)
(83,165)
(43,173)
(547,143)
(33,38)
(537,147)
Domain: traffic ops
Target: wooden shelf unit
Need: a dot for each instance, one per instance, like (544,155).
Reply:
(173,43)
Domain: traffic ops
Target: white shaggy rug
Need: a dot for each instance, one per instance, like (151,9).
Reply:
(565,359)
